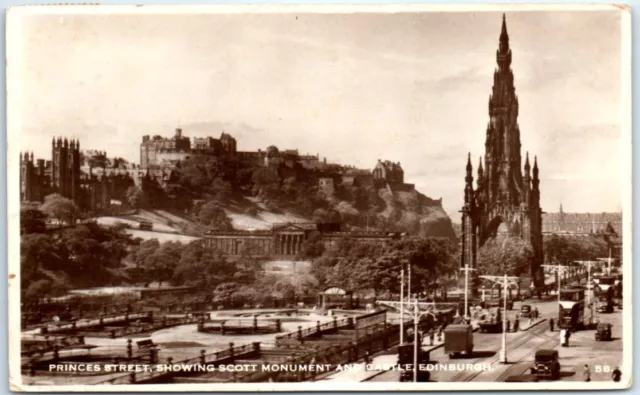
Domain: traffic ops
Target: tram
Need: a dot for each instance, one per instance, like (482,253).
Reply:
(571,309)
(605,290)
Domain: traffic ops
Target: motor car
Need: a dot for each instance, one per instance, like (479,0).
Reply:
(546,364)
(525,310)
(603,331)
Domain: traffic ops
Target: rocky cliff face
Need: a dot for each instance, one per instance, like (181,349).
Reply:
(404,211)
(417,214)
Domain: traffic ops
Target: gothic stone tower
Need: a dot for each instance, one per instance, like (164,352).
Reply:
(65,174)
(505,202)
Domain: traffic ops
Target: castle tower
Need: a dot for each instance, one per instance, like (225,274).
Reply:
(506,202)
(65,174)
(27,178)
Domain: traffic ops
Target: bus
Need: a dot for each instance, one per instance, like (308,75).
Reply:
(605,290)
(571,309)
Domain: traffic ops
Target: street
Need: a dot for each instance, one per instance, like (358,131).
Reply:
(602,357)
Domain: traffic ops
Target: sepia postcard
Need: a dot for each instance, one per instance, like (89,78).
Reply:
(319,198)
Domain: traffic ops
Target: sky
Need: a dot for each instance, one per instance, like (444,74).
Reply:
(408,87)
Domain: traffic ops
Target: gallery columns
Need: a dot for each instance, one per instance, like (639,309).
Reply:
(289,243)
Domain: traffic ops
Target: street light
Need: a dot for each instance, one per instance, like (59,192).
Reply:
(409,283)
(505,281)
(416,319)
(431,306)
(590,287)
(402,297)
(466,270)
(402,305)
(559,269)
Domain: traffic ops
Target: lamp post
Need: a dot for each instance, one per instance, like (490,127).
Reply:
(416,318)
(559,270)
(466,270)
(409,283)
(505,281)
(402,305)
(590,287)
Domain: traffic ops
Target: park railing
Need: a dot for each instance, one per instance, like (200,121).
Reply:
(92,323)
(331,356)
(134,324)
(226,326)
(316,330)
(223,356)
(37,344)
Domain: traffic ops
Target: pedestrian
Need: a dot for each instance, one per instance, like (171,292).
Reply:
(367,359)
(508,326)
(616,374)
(537,313)
(432,335)
(563,337)
(567,335)
(516,324)
(586,373)
(551,324)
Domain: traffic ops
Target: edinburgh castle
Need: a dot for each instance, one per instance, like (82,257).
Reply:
(96,182)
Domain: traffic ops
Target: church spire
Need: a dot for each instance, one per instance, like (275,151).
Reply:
(535,181)
(503,33)
(468,189)
(504,53)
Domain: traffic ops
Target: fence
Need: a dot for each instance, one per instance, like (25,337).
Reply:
(332,355)
(317,330)
(218,357)
(99,322)
(237,326)
(39,345)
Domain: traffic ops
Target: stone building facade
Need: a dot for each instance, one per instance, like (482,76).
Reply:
(285,240)
(505,201)
(389,175)
(156,150)
(562,222)
(65,175)
(388,171)
(607,226)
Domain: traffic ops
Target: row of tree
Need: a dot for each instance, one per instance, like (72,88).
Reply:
(566,250)
(81,256)
(374,268)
